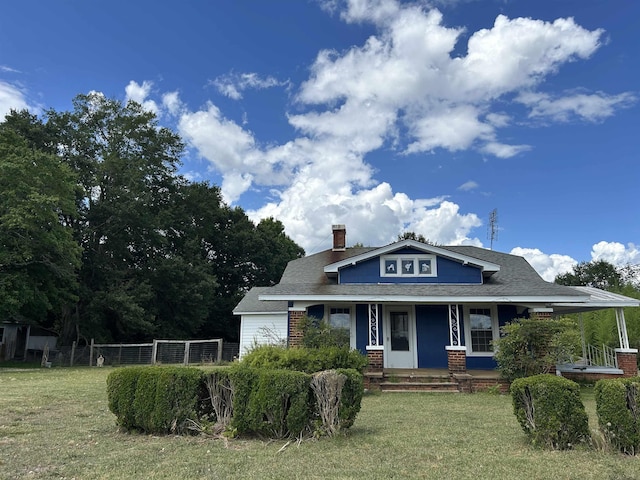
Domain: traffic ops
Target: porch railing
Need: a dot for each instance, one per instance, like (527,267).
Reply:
(601,357)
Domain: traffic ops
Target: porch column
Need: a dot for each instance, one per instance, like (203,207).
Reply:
(627,357)
(295,329)
(456,353)
(375,348)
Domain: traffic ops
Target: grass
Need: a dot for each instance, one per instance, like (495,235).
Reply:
(55,423)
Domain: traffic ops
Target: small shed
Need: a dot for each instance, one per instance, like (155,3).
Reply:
(17,339)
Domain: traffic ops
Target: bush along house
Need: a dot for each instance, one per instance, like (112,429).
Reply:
(426,316)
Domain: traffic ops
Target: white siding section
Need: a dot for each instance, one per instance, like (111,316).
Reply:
(262,329)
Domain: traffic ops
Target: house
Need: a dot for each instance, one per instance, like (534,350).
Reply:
(411,306)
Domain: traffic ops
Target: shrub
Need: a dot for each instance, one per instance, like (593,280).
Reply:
(271,403)
(318,333)
(550,410)
(534,346)
(351,400)
(309,360)
(338,396)
(618,410)
(155,399)
(221,394)
(121,389)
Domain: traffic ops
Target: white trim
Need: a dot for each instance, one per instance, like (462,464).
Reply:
(541,310)
(375,347)
(283,312)
(455,348)
(495,329)
(485,266)
(296,309)
(625,350)
(575,301)
(400,260)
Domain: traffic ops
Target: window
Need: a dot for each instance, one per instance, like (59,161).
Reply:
(481,325)
(408,266)
(340,317)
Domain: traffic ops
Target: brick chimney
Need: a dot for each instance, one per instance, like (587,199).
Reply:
(339,238)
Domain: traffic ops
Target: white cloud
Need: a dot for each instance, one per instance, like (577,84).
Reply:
(468,186)
(232,85)
(12,97)
(594,107)
(140,93)
(547,266)
(616,253)
(400,90)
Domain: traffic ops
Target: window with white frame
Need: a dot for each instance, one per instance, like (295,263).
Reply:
(340,317)
(408,266)
(481,329)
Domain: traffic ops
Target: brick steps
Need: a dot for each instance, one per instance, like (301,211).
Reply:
(419,387)
(417,382)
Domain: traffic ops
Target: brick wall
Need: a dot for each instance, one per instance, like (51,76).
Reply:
(376,360)
(627,362)
(295,330)
(457,361)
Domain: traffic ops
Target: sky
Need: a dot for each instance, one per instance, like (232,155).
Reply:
(386,116)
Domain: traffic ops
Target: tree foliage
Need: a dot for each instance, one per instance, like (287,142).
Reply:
(598,273)
(120,246)
(531,346)
(38,256)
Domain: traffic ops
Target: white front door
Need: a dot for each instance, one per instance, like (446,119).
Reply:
(400,327)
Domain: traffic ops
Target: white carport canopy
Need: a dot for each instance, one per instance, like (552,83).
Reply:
(598,300)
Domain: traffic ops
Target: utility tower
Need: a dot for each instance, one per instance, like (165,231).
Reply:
(492,232)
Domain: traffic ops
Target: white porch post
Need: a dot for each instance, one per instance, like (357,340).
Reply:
(622,329)
(626,357)
(374,326)
(454,326)
(375,348)
(456,353)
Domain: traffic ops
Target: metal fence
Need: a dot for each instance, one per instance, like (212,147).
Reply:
(186,352)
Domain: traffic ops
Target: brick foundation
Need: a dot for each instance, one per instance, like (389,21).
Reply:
(295,330)
(376,360)
(628,362)
(457,361)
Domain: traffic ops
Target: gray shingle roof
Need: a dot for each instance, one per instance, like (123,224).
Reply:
(516,278)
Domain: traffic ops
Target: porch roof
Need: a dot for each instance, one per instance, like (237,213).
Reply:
(597,299)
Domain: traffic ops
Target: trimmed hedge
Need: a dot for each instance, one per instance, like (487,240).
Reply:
(242,400)
(279,403)
(309,360)
(618,410)
(351,399)
(550,410)
(155,399)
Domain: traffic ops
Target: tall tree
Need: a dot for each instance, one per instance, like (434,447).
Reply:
(38,255)
(126,164)
(598,273)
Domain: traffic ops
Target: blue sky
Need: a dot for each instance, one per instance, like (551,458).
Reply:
(385,116)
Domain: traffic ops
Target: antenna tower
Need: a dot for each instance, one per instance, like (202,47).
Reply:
(493,226)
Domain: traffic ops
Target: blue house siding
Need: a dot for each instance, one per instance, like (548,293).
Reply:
(449,271)
(432,331)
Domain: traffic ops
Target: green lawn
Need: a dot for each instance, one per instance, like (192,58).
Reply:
(55,424)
